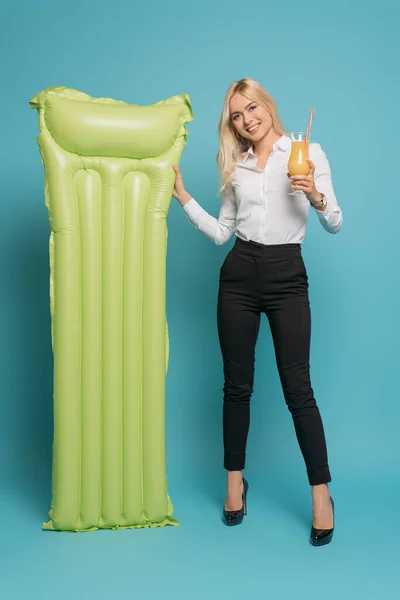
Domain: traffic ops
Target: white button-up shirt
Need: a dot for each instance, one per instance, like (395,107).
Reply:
(259,208)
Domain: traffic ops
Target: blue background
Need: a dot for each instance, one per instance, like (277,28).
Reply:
(341,58)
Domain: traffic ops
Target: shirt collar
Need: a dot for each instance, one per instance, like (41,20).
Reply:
(283,144)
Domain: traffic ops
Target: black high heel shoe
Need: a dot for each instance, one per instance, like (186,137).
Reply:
(320,537)
(235,517)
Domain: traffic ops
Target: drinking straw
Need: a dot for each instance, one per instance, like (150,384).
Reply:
(309,124)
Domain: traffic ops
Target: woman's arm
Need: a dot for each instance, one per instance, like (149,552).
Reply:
(330,217)
(218,230)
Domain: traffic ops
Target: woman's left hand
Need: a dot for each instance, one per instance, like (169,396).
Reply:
(306,184)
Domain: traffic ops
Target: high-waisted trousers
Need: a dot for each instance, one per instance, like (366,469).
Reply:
(269,279)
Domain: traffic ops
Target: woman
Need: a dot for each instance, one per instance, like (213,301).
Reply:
(265,273)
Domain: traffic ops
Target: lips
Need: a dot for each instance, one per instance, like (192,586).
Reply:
(253,128)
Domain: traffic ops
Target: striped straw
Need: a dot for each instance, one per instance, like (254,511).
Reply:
(309,124)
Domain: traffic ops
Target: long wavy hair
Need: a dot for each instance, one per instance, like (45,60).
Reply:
(231,143)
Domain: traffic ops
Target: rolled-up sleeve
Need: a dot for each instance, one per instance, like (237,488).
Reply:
(218,230)
(332,218)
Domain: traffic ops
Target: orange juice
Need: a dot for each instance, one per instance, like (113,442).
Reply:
(298,164)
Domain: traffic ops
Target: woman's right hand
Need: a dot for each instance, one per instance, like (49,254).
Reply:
(179,192)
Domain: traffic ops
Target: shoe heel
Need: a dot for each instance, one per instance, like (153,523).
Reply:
(245,490)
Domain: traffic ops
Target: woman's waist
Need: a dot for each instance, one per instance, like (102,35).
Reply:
(253,248)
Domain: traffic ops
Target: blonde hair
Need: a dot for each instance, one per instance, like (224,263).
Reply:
(231,143)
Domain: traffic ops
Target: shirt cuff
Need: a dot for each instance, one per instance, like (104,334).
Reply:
(323,214)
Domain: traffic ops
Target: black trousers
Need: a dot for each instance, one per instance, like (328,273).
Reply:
(255,279)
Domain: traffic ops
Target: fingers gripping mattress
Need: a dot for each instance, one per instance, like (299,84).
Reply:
(108,185)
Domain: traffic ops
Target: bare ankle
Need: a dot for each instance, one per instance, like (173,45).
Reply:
(321,489)
(234,480)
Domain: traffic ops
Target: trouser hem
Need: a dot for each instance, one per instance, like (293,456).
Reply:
(234,462)
(319,475)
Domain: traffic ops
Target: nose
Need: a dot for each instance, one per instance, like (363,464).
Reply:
(249,121)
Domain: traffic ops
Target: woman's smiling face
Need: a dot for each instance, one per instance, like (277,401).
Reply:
(249,119)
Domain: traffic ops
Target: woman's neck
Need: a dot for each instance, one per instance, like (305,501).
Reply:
(264,146)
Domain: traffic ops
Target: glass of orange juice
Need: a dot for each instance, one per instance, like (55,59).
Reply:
(298,164)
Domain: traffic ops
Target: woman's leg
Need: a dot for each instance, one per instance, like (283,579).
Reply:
(238,318)
(290,327)
(290,321)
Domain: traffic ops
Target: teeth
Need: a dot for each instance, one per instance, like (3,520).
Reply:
(252,128)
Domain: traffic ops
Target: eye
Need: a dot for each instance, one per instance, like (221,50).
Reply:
(252,107)
(234,117)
